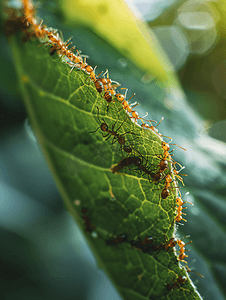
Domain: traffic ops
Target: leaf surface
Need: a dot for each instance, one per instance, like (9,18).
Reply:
(63,109)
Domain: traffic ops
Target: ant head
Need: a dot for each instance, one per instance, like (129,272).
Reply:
(180,243)
(165,146)
(120,97)
(179,201)
(104,127)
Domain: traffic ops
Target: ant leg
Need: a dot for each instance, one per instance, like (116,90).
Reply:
(180,147)
(108,136)
(120,125)
(114,140)
(131,98)
(95,130)
(98,119)
(98,115)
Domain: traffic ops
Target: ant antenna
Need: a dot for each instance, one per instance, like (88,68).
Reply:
(105,72)
(125,91)
(115,82)
(131,97)
(144,115)
(190,270)
(153,121)
(159,122)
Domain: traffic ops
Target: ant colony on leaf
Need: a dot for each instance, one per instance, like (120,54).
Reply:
(134,160)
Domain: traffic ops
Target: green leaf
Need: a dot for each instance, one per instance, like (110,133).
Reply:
(63,109)
(114,22)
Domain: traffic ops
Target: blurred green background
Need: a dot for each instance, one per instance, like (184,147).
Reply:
(43,254)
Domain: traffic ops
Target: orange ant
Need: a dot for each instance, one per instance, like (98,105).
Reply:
(125,103)
(107,82)
(176,172)
(122,98)
(156,176)
(166,146)
(165,192)
(182,254)
(135,115)
(129,108)
(97,81)
(172,243)
(180,202)
(109,85)
(176,284)
(163,165)
(104,84)
(118,240)
(166,155)
(62,49)
(153,128)
(77,59)
(88,69)
(53,49)
(98,84)
(168,244)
